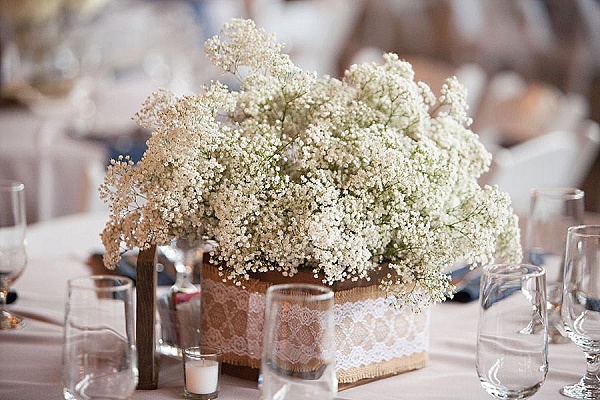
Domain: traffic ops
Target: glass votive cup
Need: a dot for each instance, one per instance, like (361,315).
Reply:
(202,371)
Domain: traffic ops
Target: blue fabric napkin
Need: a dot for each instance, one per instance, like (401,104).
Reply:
(126,268)
(466,281)
(11,297)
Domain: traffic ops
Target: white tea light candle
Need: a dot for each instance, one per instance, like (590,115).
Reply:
(202,377)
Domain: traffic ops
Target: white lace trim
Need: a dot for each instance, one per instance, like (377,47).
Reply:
(370,331)
(367,331)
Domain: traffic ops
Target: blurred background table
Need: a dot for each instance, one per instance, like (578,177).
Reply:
(73,74)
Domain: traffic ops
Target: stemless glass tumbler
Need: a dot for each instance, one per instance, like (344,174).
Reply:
(99,354)
(581,305)
(298,357)
(13,246)
(552,211)
(512,336)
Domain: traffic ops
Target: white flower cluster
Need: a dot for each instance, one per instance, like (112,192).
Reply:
(296,171)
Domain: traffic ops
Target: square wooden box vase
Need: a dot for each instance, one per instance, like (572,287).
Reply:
(373,339)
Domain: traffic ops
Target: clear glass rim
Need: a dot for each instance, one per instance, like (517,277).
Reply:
(585,230)
(203,351)
(10,185)
(514,270)
(117,283)
(558,193)
(306,291)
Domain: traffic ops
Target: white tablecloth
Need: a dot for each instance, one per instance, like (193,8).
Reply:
(31,357)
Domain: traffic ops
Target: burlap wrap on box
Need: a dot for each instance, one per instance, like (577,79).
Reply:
(373,340)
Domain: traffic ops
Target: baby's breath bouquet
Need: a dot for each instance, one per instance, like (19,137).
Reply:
(292,171)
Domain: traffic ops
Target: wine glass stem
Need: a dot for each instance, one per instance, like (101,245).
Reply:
(592,369)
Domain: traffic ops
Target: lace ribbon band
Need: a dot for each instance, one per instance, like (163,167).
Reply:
(373,340)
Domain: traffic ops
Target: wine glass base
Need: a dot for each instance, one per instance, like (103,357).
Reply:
(10,321)
(580,391)
(501,392)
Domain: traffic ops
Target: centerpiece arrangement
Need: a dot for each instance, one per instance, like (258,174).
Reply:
(368,178)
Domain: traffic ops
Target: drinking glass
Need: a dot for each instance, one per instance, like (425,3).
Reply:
(99,354)
(180,308)
(552,211)
(581,305)
(512,336)
(13,246)
(298,356)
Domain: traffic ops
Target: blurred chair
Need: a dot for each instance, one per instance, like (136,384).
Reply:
(51,164)
(560,158)
(475,80)
(572,110)
(90,201)
(313,31)
(513,110)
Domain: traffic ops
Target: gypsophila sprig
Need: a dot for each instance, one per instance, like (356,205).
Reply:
(294,171)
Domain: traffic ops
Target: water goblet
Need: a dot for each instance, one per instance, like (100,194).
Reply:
(552,211)
(581,305)
(512,335)
(99,353)
(298,356)
(13,246)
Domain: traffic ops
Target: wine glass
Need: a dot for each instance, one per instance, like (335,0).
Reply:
(552,211)
(581,305)
(13,246)
(512,335)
